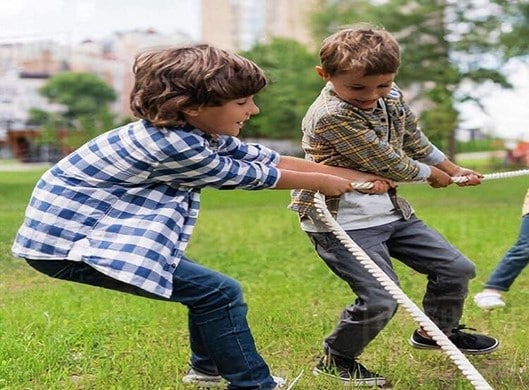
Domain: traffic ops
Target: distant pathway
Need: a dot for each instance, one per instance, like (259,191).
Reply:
(481,155)
(13,166)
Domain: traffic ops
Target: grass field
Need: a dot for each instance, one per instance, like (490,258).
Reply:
(59,335)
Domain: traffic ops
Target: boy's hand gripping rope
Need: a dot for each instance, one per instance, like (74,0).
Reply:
(424,321)
(496,175)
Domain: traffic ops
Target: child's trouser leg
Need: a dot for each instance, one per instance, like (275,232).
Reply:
(513,262)
(217,312)
(448,271)
(220,331)
(361,321)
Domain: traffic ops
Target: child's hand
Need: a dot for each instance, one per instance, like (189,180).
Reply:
(334,186)
(438,178)
(362,177)
(474,178)
(379,187)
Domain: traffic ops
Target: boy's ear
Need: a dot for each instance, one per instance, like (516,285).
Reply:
(322,73)
(191,111)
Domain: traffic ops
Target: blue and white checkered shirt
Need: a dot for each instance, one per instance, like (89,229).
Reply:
(132,197)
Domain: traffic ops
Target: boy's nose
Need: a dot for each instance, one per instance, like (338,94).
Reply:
(254,110)
(371,95)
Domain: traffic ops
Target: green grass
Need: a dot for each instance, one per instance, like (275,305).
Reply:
(61,335)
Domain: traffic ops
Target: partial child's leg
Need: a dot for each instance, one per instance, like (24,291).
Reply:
(217,311)
(220,333)
(363,319)
(513,262)
(448,272)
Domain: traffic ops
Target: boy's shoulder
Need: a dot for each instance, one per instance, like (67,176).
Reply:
(329,104)
(395,93)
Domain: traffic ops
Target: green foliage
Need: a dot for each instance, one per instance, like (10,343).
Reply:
(85,99)
(293,86)
(514,39)
(482,145)
(80,93)
(59,335)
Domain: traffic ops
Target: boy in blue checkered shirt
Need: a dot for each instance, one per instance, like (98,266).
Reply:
(118,212)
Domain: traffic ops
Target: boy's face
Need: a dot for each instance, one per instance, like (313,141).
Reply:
(227,119)
(357,90)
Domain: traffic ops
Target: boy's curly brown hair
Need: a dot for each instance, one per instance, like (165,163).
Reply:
(362,48)
(171,80)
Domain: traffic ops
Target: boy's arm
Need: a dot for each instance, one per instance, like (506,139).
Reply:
(443,172)
(302,165)
(300,173)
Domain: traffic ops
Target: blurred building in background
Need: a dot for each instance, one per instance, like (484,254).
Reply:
(26,66)
(240,24)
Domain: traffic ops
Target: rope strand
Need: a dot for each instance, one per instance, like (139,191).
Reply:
(455,179)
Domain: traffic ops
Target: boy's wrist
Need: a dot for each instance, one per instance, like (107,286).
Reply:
(448,167)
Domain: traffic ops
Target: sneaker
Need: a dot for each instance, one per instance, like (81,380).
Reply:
(488,300)
(280,382)
(471,344)
(200,379)
(348,371)
(197,378)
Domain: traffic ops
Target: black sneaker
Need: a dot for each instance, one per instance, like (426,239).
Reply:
(348,371)
(471,344)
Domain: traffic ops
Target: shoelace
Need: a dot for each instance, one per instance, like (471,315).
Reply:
(462,326)
(458,334)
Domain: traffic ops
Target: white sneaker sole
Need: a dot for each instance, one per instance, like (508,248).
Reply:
(488,300)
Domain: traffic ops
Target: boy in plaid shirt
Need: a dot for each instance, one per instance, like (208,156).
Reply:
(361,121)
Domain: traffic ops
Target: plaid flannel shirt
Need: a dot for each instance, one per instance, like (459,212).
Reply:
(387,141)
(133,194)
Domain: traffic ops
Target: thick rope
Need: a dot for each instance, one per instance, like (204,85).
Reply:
(468,370)
(455,179)
(492,176)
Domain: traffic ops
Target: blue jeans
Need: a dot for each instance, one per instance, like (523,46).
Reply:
(220,338)
(414,244)
(513,262)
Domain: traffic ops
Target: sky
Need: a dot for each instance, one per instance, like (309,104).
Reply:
(507,111)
(71,21)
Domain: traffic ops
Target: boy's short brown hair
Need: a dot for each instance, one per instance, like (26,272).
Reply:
(170,80)
(365,49)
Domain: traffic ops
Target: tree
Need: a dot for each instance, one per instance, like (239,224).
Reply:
(293,86)
(449,48)
(84,100)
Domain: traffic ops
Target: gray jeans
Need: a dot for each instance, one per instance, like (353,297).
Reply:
(414,244)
